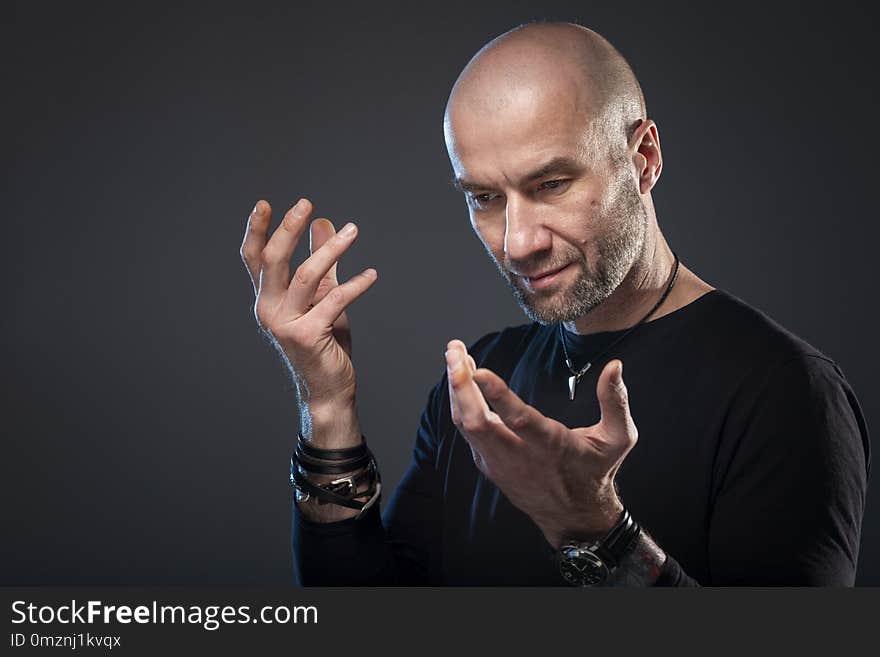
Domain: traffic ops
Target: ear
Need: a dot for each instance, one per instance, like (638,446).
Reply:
(648,160)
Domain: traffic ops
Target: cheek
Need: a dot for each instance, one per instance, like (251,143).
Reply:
(580,220)
(490,232)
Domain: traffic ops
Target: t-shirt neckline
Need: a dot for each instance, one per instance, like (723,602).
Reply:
(678,314)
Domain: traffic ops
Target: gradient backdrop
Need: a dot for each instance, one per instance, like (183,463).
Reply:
(147,426)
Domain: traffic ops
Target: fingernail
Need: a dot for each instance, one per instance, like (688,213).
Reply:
(618,373)
(348,230)
(300,207)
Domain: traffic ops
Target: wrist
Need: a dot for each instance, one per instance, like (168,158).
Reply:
(331,425)
(324,513)
(601,519)
(593,563)
(346,480)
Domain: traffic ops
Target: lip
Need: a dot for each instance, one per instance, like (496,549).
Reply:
(539,282)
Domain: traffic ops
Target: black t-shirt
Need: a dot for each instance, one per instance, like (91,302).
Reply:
(751,466)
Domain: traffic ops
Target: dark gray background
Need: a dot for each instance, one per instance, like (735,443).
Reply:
(148,426)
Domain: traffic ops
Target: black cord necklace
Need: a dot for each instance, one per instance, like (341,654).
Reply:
(577,374)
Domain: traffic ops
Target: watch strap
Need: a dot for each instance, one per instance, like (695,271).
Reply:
(590,564)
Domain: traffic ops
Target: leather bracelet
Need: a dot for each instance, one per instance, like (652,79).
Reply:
(316,466)
(619,539)
(322,494)
(344,486)
(332,454)
(325,496)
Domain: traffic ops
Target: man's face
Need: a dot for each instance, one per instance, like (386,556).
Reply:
(546,198)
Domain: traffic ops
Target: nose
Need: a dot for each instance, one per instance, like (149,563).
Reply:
(525,235)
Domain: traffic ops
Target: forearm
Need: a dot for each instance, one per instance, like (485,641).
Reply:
(335,544)
(361,551)
(646,564)
(398,546)
(351,552)
(334,550)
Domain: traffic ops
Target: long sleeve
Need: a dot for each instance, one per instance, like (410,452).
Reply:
(792,485)
(398,547)
(671,574)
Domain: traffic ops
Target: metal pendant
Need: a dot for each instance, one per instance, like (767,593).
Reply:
(575,377)
(572,382)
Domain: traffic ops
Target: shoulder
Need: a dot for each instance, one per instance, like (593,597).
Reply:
(789,395)
(745,331)
(771,359)
(773,389)
(808,390)
(738,345)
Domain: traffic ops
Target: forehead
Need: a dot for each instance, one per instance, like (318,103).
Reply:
(495,139)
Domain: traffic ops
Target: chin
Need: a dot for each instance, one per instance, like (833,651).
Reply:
(546,310)
(559,306)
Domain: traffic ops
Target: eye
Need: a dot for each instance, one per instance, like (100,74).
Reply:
(480,201)
(553,184)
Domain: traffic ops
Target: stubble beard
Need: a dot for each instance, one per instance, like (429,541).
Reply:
(619,245)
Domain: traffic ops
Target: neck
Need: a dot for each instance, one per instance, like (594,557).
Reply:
(639,291)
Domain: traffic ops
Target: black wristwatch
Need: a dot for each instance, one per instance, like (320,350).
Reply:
(590,564)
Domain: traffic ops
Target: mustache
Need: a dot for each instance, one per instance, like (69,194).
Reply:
(521,267)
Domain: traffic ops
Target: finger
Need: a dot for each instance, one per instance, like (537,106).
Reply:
(278,250)
(321,231)
(475,419)
(334,303)
(468,406)
(309,274)
(451,383)
(524,420)
(462,348)
(472,442)
(255,240)
(614,403)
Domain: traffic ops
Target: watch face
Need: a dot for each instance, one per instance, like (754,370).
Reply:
(581,567)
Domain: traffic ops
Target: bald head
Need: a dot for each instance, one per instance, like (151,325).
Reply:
(549,141)
(563,65)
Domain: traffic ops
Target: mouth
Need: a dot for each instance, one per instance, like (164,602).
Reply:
(544,279)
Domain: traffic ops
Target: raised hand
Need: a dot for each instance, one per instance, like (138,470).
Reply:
(562,478)
(304,315)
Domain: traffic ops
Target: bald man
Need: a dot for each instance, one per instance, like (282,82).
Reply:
(734,453)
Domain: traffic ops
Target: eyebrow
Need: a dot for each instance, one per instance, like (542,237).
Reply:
(561,164)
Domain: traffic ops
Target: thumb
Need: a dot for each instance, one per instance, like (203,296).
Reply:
(614,404)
